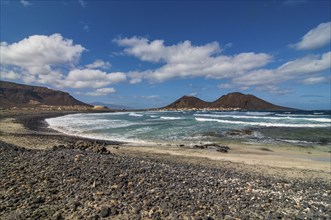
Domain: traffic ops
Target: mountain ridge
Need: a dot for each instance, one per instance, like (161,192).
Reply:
(230,101)
(20,95)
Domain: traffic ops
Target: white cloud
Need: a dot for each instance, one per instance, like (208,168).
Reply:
(243,70)
(25,3)
(11,75)
(91,78)
(315,38)
(38,54)
(101,92)
(156,51)
(316,80)
(135,77)
(274,89)
(307,64)
(225,86)
(184,60)
(290,70)
(52,60)
(40,58)
(147,97)
(99,64)
(192,94)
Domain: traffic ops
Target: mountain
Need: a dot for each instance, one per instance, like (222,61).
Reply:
(188,102)
(235,100)
(245,101)
(19,95)
(112,106)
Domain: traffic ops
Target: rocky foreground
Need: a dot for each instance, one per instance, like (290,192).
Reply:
(88,182)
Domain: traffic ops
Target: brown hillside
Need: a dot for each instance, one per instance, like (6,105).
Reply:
(243,101)
(19,95)
(231,100)
(188,102)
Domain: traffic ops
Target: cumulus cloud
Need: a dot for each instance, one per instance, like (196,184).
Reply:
(99,64)
(87,78)
(55,60)
(11,75)
(184,60)
(307,64)
(101,92)
(296,69)
(52,60)
(243,70)
(315,38)
(156,51)
(38,54)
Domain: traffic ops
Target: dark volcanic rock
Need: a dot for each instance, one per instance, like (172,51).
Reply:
(213,146)
(54,184)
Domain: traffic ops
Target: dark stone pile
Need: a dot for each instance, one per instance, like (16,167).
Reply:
(73,183)
(213,146)
(94,146)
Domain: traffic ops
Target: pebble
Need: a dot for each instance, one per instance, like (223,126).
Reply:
(105,212)
(81,180)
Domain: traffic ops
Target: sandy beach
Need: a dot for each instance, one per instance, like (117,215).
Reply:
(294,174)
(31,131)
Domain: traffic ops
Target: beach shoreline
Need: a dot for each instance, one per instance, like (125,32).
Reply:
(57,176)
(30,130)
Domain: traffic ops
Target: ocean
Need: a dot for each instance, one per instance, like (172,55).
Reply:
(299,128)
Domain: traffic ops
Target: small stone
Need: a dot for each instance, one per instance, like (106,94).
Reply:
(39,200)
(94,217)
(105,212)
(113,211)
(58,216)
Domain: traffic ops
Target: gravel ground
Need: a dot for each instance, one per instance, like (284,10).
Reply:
(83,180)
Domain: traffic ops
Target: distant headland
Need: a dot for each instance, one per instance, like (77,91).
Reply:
(231,101)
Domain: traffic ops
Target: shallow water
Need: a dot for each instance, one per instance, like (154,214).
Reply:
(302,128)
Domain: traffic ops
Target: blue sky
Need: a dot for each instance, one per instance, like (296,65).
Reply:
(149,53)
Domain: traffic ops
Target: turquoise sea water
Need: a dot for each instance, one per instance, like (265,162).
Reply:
(302,128)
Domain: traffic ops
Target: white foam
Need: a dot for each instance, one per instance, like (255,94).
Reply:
(238,116)
(133,114)
(170,118)
(259,113)
(326,120)
(262,124)
(297,141)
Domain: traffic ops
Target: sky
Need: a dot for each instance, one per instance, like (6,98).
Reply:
(145,54)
